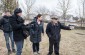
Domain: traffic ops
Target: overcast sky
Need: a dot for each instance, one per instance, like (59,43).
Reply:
(51,4)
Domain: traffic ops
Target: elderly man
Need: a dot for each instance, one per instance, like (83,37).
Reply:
(53,32)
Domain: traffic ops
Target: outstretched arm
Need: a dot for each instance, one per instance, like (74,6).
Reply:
(64,27)
(15,25)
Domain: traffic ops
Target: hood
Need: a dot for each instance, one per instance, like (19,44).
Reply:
(17,10)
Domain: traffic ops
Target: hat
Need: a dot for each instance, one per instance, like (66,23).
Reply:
(17,10)
(54,18)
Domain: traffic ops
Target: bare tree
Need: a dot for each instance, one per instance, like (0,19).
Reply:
(1,7)
(42,10)
(9,5)
(83,4)
(28,4)
(64,6)
(81,8)
(53,14)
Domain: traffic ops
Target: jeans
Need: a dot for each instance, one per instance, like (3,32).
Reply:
(35,47)
(19,46)
(7,36)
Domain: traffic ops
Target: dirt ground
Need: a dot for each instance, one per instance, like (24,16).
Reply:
(72,43)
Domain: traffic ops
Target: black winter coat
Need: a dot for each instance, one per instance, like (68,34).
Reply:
(17,23)
(35,31)
(5,24)
(53,31)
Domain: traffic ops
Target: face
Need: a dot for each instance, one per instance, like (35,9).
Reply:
(8,14)
(40,18)
(19,14)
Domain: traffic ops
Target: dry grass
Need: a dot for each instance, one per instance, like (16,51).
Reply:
(72,43)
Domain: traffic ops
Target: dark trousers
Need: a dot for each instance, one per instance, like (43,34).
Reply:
(35,47)
(54,43)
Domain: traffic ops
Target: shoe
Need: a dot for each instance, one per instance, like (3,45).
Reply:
(38,52)
(13,51)
(56,54)
(49,54)
(35,53)
(9,52)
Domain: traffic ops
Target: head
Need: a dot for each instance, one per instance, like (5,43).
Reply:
(7,13)
(54,20)
(18,12)
(39,17)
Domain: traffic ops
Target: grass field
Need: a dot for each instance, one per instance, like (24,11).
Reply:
(72,43)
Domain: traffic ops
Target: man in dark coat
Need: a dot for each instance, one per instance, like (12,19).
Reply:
(35,32)
(7,29)
(17,23)
(53,32)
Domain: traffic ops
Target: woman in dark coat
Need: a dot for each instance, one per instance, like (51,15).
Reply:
(35,32)
(17,23)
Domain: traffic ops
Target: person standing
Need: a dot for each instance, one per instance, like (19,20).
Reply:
(53,30)
(35,33)
(17,23)
(7,29)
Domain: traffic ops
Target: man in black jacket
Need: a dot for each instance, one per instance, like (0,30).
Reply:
(53,32)
(7,29)
(17,23)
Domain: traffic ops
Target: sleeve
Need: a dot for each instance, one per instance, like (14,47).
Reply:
(15,25)
(31,28)
(1,23)
(27,27)
(64,27)
(48,30)
(43,28)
